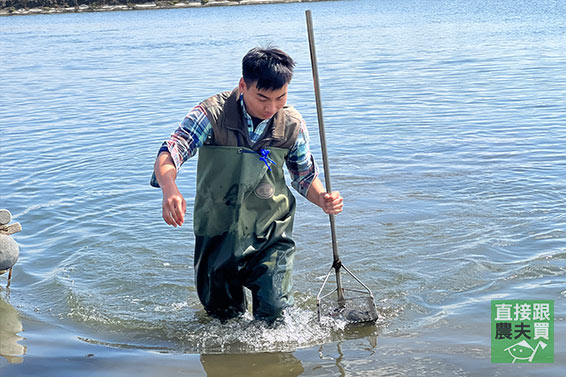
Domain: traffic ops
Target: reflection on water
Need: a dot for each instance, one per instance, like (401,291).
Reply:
(10,326)
(332,358)
(278,364)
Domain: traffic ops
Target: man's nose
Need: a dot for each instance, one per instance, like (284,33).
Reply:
(270,107)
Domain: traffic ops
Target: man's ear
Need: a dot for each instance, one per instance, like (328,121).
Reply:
(242,85)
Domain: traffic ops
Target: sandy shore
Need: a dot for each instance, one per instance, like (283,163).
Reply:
(145,6)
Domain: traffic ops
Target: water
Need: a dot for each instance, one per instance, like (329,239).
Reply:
(446,133)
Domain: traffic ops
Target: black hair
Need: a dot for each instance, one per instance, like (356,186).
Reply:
(270,68)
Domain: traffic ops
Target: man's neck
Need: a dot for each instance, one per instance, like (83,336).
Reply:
(256,121)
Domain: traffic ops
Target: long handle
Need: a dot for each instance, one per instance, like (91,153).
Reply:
(337,263)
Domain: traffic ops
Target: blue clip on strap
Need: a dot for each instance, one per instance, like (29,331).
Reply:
(264,153)
(263,156)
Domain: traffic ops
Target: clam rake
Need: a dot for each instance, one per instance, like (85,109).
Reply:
(357,308)
(360,307)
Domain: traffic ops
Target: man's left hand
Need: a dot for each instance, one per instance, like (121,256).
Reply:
(332,203)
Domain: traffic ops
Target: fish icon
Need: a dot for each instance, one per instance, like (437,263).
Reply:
(524,351)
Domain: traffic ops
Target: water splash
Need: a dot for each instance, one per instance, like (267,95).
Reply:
(297,328)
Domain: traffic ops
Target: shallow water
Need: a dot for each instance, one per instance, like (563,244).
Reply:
(446,133)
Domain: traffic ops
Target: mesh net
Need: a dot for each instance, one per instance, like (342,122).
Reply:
(352,310)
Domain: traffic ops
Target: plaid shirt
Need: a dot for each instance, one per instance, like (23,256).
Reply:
(195,129)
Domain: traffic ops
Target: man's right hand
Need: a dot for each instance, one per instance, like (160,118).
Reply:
(174,205)
(174,208)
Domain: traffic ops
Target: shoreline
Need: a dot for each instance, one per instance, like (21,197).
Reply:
(145,6)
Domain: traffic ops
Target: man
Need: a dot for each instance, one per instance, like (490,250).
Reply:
(243,212)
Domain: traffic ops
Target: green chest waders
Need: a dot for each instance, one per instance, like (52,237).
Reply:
(243,220)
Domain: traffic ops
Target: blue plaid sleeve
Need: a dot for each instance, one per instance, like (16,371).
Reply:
(187,138)
(301,164)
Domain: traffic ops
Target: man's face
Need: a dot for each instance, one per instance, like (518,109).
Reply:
(263,104)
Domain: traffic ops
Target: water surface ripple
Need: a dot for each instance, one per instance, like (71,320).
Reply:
(446,126)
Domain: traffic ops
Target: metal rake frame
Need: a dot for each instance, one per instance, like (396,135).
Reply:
(366,292)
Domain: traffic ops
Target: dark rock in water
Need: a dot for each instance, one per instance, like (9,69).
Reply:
(356,316)
(353,315)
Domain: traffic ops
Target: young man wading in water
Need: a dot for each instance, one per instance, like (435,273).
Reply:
(243,212)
